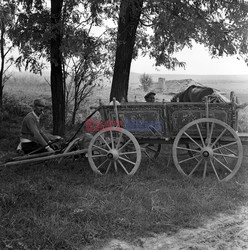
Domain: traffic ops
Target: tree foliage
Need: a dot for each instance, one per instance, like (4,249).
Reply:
(86,57)
(32,34)
(64,38)
(219,25)
(146,81)
(166,27)
(7,22)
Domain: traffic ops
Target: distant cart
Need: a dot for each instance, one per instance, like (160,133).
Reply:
(203,136)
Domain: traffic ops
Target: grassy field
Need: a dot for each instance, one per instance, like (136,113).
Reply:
(66,206)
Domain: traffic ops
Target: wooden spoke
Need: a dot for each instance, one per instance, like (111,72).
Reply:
(215,170)
(112,140)
(192,139)
(115,164)
(189,149)
(125,144)
(230,151)
(205,170)
(209,136)
(223,156)
(119,140)
(152,151)
(148,156)
(223,165)
(95,156)
(127,153)
(105,141)
(102,164)
(196,166)
(126,160)
(188,159)
(231,156)
(109,165)
(199,131)
(95,146)
(218,138)
(225,146)
(123,166)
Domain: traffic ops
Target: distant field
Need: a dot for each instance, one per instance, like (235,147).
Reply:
(27,86)
(223,81)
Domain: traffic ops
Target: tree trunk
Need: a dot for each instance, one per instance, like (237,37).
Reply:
(75,106)
(129,17)
(2,41)
(1,86)
(57,85)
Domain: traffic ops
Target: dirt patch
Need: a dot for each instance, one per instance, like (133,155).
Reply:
(222,232)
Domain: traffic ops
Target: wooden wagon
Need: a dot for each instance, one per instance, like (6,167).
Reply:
(203,136)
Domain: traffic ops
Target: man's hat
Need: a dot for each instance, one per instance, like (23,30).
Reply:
(148,94)
(39,102)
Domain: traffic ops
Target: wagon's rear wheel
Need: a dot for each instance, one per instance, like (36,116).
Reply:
(215,148)
(114,149)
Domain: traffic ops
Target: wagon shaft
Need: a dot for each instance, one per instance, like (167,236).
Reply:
(42,158)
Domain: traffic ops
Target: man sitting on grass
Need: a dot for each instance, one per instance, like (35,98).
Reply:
(32,137)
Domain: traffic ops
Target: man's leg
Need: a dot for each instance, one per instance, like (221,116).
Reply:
(29,147)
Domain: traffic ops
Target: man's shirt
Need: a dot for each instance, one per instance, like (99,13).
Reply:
(31,129)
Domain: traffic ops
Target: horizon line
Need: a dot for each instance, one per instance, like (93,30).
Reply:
(190,74)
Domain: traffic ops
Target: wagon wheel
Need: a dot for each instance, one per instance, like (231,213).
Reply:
(114,148)
(152,151)
(214,148)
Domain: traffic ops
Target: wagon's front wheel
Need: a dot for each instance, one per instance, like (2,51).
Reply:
(114,149)
(215,149)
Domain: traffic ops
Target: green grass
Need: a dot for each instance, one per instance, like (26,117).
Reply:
(66,206)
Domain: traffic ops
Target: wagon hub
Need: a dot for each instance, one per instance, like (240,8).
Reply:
(207,152)
(113,154)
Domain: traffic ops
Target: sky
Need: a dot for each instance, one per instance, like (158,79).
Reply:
(198,61)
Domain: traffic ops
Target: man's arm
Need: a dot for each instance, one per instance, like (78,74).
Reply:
(36,132)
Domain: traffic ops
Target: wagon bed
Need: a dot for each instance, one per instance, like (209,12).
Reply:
(166,118)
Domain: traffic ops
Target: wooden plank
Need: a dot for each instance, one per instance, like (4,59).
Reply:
(243,135)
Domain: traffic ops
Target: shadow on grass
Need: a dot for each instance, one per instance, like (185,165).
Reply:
(66,206)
